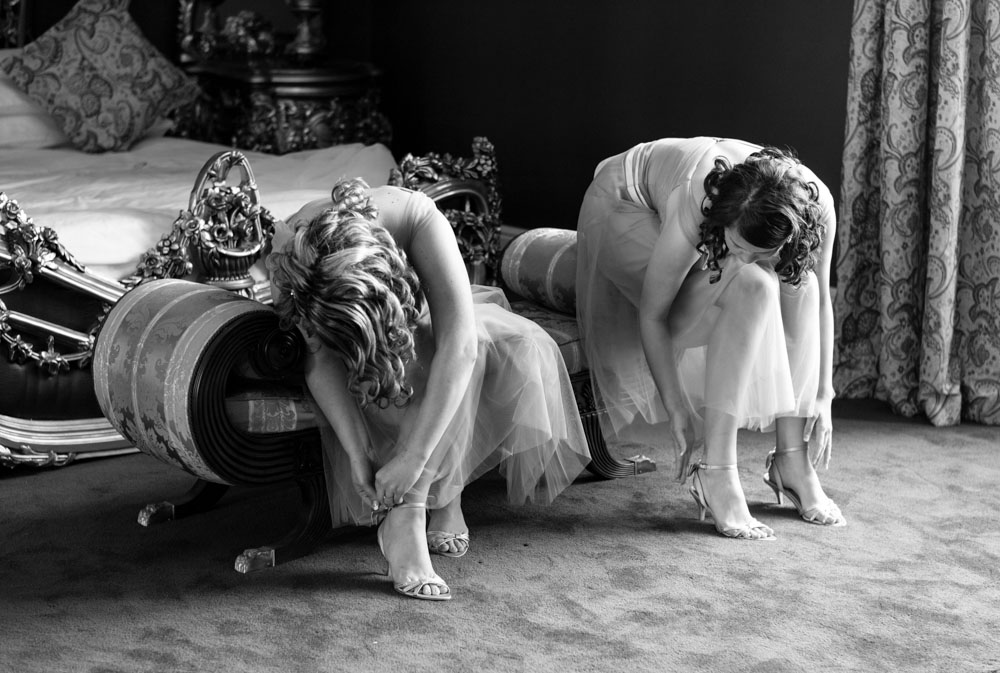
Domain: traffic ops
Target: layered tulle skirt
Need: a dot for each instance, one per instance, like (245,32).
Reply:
(518,414)
(614,245)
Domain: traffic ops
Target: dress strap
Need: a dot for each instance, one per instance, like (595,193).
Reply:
(635,166)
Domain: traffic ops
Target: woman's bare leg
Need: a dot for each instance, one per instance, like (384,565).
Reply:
(797,473)
(449,519)
(404,538)
(738,330)
(800,318)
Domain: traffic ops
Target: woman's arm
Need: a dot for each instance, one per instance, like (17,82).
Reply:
(824,398)
(326,378)
(434,253)
(669,265)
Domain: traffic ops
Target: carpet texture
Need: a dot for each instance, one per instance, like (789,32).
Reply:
(614,576)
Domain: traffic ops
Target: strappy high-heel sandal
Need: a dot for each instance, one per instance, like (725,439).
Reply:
(826,514)
(440,542)
(752,530)
(414,586)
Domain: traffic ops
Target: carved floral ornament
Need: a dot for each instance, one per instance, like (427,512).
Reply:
(25,250)
(478,233)
(10,23)
(224,229)
(221,233)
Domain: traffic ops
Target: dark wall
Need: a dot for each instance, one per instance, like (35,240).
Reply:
(559,85)
(156,18)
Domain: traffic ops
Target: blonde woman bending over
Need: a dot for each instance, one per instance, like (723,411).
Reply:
(426,381)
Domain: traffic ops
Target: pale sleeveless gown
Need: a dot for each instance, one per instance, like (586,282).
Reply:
(518,413)
(633,196)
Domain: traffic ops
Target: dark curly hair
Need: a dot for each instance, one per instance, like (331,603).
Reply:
(769,205)
(342,278)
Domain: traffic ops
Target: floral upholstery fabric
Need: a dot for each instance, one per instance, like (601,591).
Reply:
(99,77)
(540,265)
(539,268)
(561,327)
(918,297)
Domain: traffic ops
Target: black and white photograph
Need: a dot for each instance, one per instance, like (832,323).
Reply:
(527,337)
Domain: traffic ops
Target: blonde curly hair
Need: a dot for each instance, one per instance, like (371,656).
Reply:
(342,278)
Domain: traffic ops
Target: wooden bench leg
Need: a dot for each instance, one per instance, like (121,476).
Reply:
(602,463)
(312,527)
(199,498)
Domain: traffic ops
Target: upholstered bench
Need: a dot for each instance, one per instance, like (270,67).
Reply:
(202,377)
(538,272)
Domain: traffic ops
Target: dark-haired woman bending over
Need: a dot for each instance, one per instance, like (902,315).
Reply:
(703,297)
(426,381)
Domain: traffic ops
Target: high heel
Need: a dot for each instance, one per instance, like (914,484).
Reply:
(414,587)
(826,514)
(752,530)
(438,542)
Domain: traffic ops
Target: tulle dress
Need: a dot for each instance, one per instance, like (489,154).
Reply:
(632,197)
(517,414)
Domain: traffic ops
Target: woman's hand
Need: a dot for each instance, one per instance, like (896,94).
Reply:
(396,478)
(364,482)
(680,422)
(819,433)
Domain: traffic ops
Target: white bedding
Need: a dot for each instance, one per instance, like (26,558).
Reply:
(108,209)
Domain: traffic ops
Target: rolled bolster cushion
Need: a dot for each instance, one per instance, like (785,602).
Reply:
(540,265)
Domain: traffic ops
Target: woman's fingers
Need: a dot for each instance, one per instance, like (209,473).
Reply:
(678,428)
(389,495)
(680,439)
(368,494)
(808,432)
(824,448)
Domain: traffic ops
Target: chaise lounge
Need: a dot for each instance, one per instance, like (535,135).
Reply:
(201,377)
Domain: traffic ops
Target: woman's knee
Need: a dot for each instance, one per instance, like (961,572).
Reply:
(753,286)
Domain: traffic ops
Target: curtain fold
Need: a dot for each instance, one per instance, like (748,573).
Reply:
(918,295)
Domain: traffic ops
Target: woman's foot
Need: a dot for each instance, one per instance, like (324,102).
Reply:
(403,542)
(717,490)
(447,532)
(789,473)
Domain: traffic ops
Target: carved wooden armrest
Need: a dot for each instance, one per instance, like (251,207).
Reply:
(50,311)
(466,189)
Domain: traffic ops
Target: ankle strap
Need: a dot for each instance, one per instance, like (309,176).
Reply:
(792,450)
(382,512)
(705,466)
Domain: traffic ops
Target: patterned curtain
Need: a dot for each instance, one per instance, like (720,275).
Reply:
(918,294)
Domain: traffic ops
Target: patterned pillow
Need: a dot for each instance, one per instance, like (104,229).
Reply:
(99,77)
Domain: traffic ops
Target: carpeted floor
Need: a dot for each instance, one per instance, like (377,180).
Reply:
(615,576)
